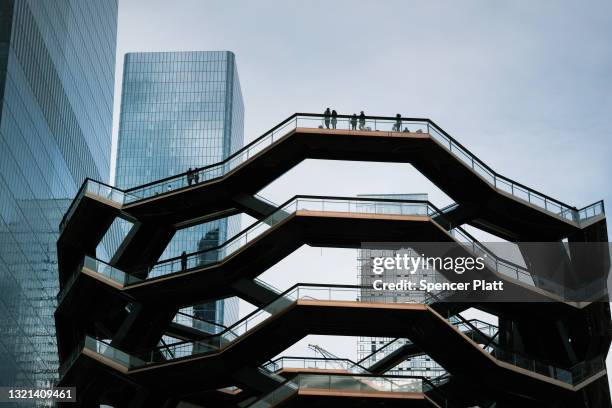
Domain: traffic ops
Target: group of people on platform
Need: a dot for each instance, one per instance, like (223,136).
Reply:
(330,117)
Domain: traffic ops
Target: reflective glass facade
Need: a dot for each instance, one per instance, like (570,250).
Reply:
(181,110)
(57,64)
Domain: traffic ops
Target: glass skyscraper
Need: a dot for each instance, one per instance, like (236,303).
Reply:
(57,65)
(181,110)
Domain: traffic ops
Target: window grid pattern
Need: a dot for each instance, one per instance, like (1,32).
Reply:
(181,110)
(56,79)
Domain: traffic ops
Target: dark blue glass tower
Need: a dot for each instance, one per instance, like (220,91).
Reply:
(57,64)
(181,110)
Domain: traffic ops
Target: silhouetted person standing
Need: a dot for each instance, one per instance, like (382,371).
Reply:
(354,122)
(334,118)
(189,176)
(327,116)
(398,123)
(362,121)
(184,261)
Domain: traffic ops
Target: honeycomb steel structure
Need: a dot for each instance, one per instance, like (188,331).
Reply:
(114,320)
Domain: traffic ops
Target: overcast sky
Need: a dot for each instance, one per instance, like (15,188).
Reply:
(525,85)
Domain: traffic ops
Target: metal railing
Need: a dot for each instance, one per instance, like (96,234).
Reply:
(370,384)
(299,203)
(214,255)
(213,343)
(375,124)
(317,363)
(380,353)
(205,326)
(346,123)
(97,188)
(594,290)
(280,304)
(103,349)
(211,256)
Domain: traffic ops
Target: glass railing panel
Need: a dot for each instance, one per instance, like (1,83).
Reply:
(204,326)
(520,193)
(185,349)
(538,200)
(591,211)
(440,137)
(329,293)
(103,269)
(565,376)
(572,376)
(558,209)
(107,192)
(359,383)
(215,342)
(484,173)
(487,329)
(570,214)
(494,263)
(582,371)
(504,185)
(114,354)
(313,363)
(462,155)
(96,188)
(109,271)
(516,272)
(265,200)
(327,382)
(266,285)
(213,172)
(175,351)
(210,257)
(449,208)
(277,396)
(205,258)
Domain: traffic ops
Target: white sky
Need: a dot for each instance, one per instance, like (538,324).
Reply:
(524,85)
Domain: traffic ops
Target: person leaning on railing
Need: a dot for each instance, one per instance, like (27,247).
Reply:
(334,118)
(326,117)
(189,176)
(183,261)
(397,127)
(354,122)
